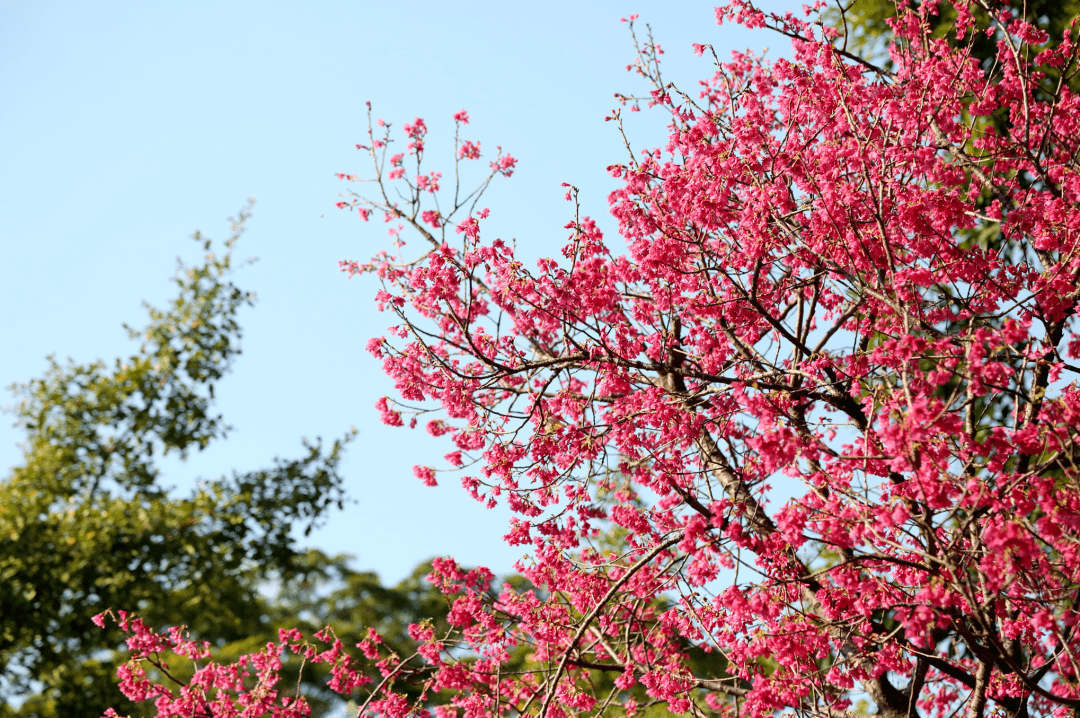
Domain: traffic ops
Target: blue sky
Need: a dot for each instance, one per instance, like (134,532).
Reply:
(126,126)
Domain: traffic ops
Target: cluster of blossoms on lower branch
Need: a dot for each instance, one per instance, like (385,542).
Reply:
(247,688)
(180,678)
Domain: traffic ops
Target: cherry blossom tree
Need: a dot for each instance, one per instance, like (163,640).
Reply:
(809,446)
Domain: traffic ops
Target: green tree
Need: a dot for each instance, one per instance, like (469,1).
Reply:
(85,523)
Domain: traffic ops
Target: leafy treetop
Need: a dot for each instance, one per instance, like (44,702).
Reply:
(85,522)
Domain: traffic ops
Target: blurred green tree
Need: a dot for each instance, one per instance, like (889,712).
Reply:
(85,523)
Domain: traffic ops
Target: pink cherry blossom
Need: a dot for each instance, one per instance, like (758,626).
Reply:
(811,441)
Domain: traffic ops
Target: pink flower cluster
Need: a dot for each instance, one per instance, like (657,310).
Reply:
(245,689)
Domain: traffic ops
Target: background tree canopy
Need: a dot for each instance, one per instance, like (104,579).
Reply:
(86,524)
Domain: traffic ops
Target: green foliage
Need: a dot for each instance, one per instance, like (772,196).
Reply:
(85,523)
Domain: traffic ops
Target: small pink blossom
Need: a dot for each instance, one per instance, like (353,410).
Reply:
(431,217)
(469,150)
(426,474)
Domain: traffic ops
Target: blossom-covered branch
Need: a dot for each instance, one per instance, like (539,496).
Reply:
(854,284)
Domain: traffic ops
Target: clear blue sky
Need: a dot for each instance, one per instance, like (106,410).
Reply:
(125,126)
